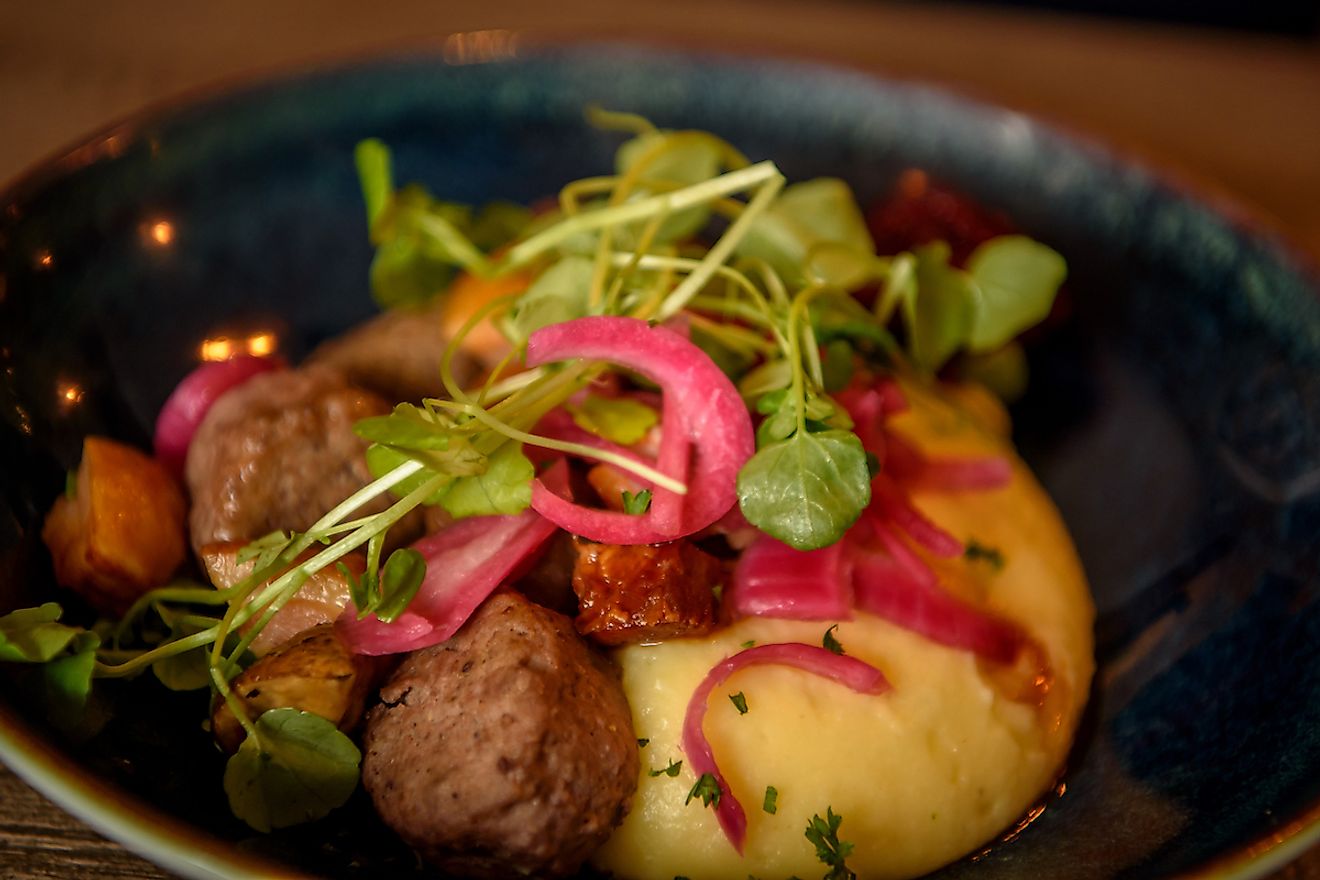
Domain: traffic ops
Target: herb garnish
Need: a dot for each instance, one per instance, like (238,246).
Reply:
(636,504)
(671,770)
(770,803)
(830,643)
(832,852)
(642,742)
(977,552)
(706,788)
(739,702)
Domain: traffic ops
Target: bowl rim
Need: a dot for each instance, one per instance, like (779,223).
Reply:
(192,852)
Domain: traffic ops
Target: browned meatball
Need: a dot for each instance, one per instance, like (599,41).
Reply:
(506,751)
(277,453)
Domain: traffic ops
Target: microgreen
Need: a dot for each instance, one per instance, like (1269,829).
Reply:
(671,770)
(636,504)
(830,643)
(618,419)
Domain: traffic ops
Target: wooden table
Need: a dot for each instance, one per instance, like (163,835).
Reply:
(1238,116)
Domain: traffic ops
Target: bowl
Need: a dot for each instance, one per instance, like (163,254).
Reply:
(1174,416)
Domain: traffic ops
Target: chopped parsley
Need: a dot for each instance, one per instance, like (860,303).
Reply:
(750,643)
(671,770)
(832,852)
(636,504)
(830,642)
(771,802)
(705,788)
(739,702)
(642,742)
(978,552)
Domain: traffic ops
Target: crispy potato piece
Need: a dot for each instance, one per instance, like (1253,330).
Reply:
(122,533)
(319,601)
(313,672)
(644,593)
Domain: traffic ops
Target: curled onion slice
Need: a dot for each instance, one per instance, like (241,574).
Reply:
(706,437)
(893,505)
(192,398)
(848,671)
(774,580)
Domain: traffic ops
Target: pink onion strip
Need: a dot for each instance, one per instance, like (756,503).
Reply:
(192,398)
(891,503)
(774,580)
(848,671)
(706,426)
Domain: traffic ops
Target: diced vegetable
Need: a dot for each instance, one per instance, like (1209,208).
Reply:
(121,532)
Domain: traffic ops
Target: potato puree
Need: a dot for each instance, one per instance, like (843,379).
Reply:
(920,775)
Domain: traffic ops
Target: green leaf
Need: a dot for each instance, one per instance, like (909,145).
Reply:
(68,681)
(804,217)
(706,788)
(939,321)
(383,459)
(771,801)
(33,635)
(830,643)
(1017,279)
(190,670)
(402,274)
(297,769)
(824,835)
(978,552)
(621,420)
(739,701)
(638,504)
(558,294)
(376,177)
(505,487)
(807,490)
(671,770)
(498,223)
(399,581)
(686,162)
(407,427)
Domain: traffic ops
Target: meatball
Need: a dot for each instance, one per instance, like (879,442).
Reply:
(397,353)
(277,453)
(506,751)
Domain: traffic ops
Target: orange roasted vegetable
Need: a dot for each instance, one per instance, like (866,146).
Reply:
(122,532)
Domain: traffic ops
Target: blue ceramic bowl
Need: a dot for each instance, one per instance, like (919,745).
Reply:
(1175,417)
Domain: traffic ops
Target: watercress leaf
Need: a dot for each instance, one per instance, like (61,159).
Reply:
(1017,279)
(773,375)
(297,769)
(504,488)
(804,216)
(402,274)
(68,680)
(776,427)
(498,223)
(843,266)
(190,670)
(558,294)
(939,320)
(399,581)
(819,408)
(618,419)
(407,427)
(34,635)
(683,160)
(772,402)
(807,490)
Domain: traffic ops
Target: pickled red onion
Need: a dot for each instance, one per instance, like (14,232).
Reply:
(848,671)
(774,580)
(191,399)
(706,437)
(464,564)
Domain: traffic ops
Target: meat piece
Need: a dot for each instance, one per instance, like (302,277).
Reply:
(506,751)
(121,531)
(397,353)
(645,593)
(314,672)
(277,453)
(318,601)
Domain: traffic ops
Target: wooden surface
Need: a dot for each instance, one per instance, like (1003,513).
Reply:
(1237,116)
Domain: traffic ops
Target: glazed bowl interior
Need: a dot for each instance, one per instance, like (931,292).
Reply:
(1174,416)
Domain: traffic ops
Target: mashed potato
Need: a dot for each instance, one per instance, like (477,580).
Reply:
(921,775)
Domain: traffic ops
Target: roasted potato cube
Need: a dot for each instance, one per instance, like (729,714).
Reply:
(644,593)
(313,672)
(122,533)
(319,601)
